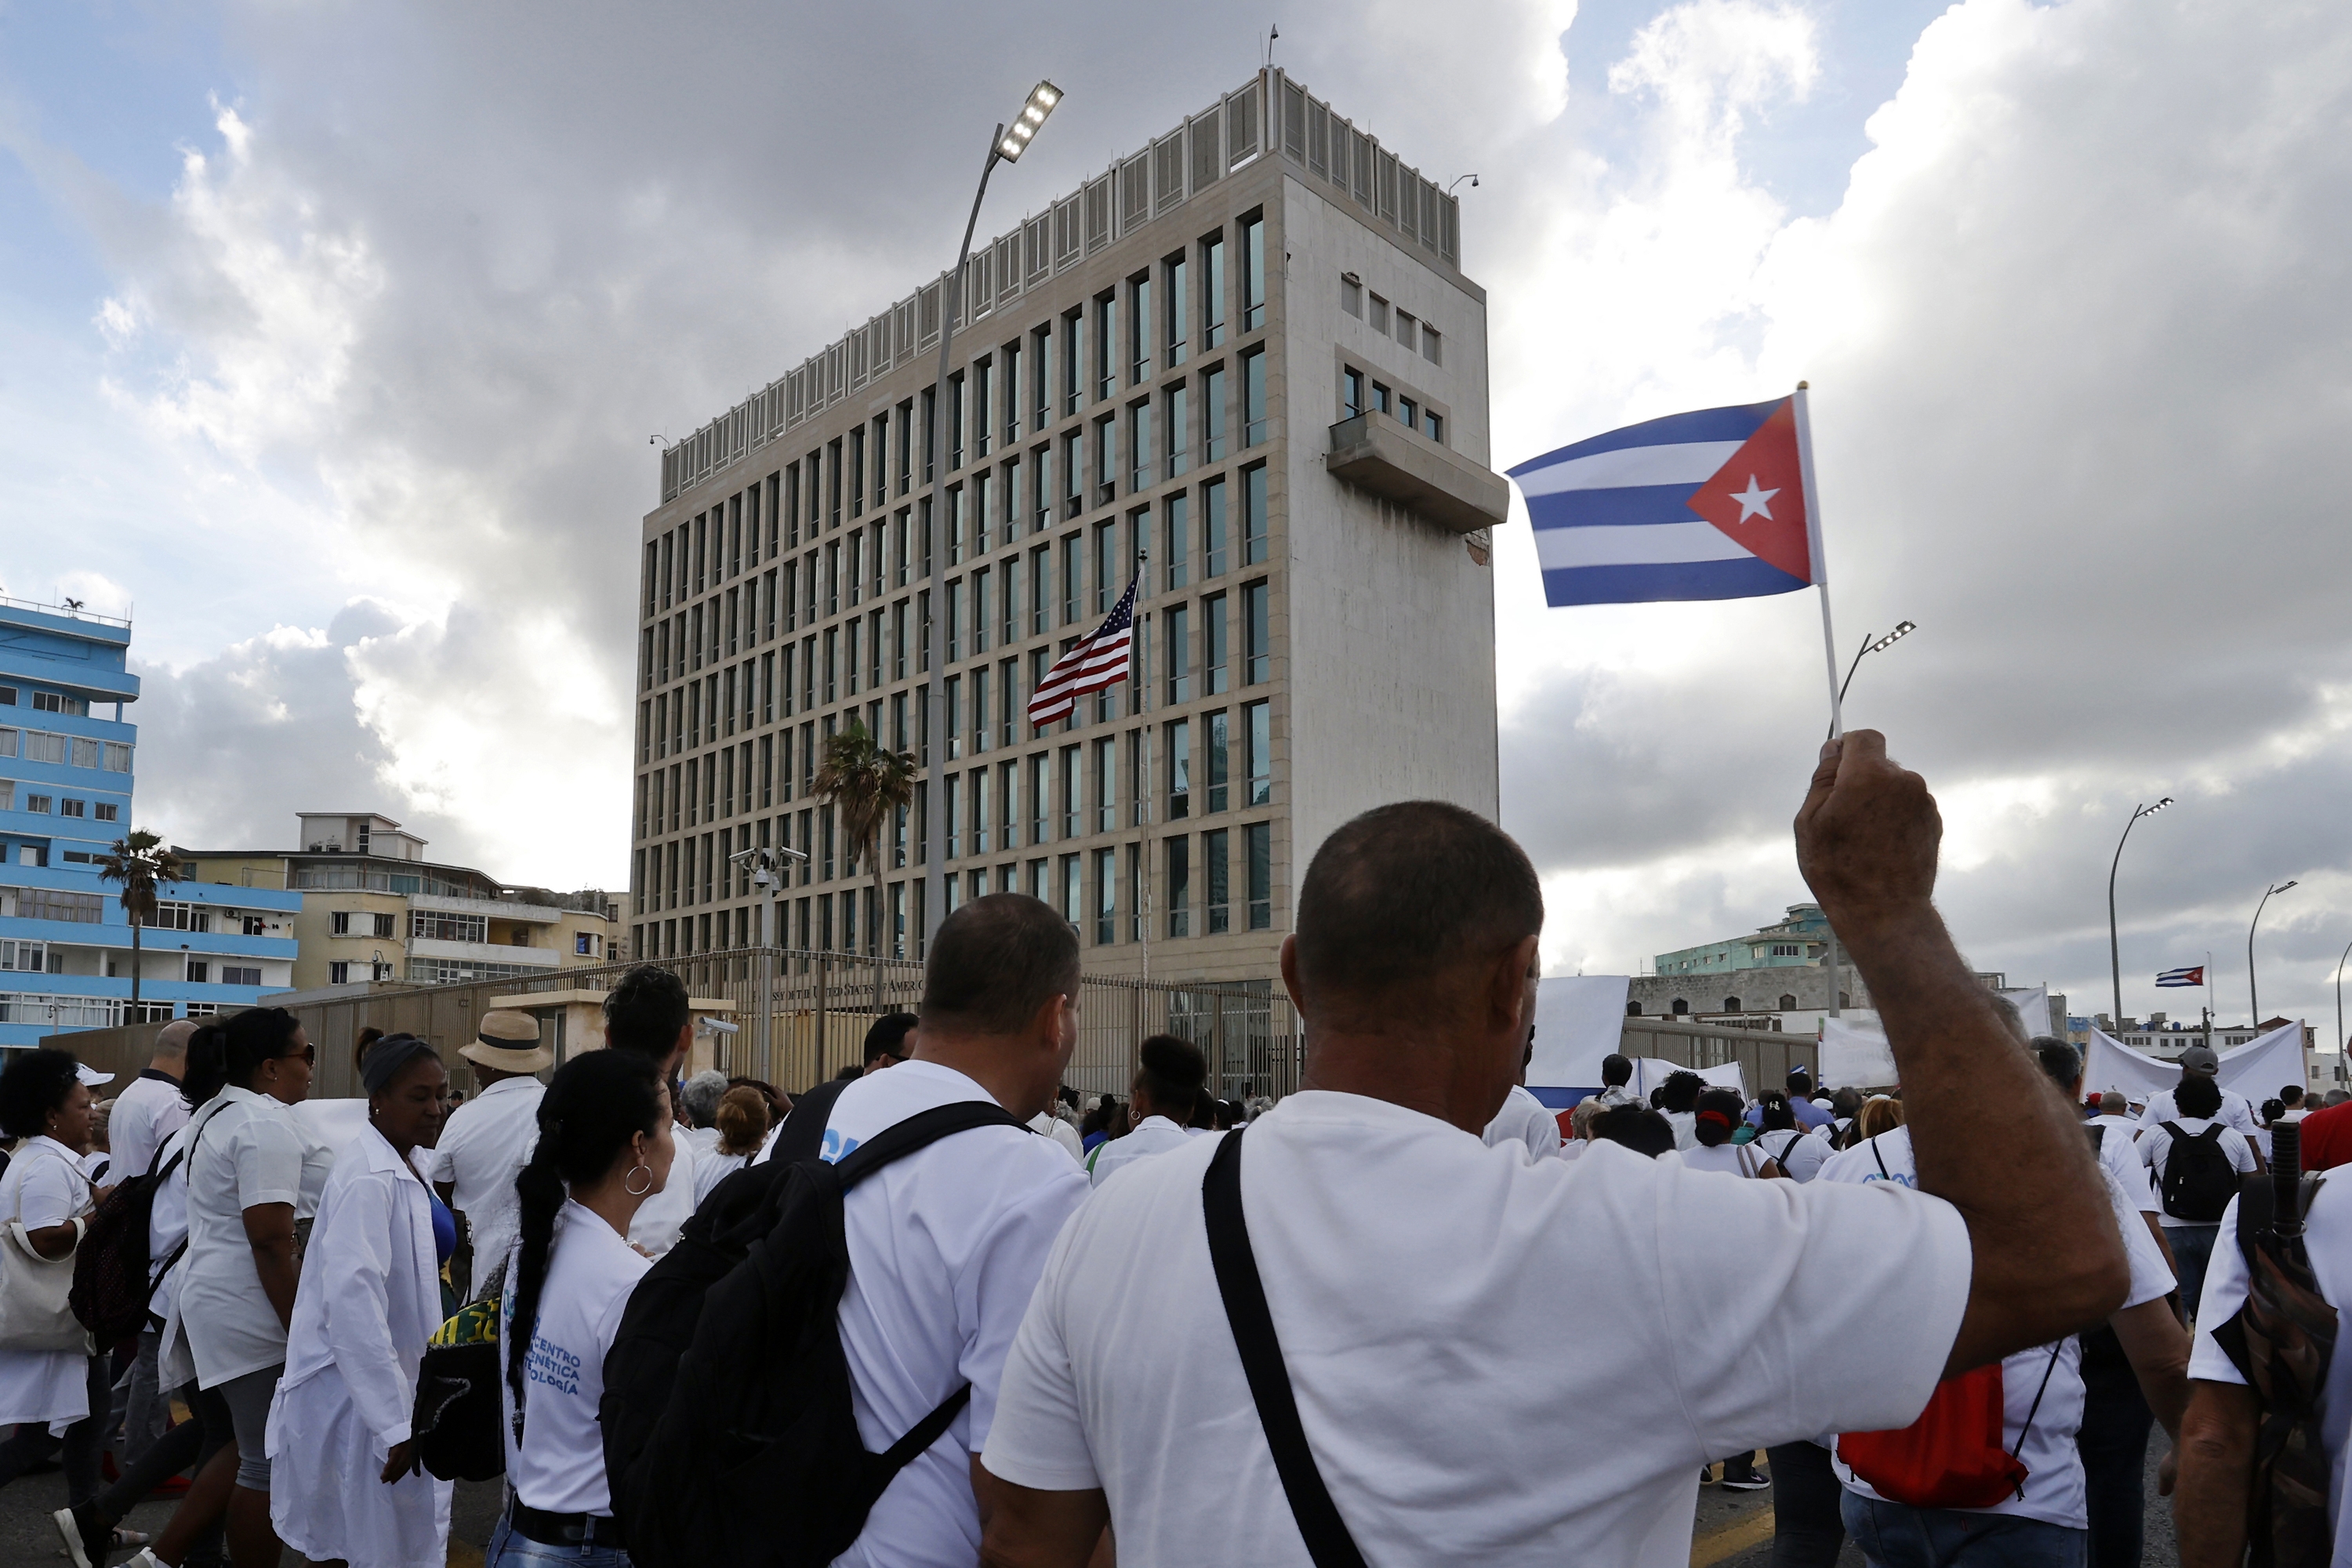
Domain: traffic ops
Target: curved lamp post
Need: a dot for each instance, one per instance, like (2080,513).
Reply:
(2114,951)
(2253,996)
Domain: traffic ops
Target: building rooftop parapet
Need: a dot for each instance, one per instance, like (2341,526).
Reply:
(70,611)
(1269,115)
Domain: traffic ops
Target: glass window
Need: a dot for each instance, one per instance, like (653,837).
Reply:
(1216,754)
(954,796)
(1434,427)
(1351,296)
(1073,893)
(1139,329)
(983,420)
(1213,291)
(1105,378)
(1213,528)
(1432,347)
(1180,886)
(1105,814)
(1212,415)
(1071,803)
(955,421)
(1176,277)
(1252,274)
(1178,640)
(1257,757)
(1139,447)
(1178,425)
(1213,856)
(1039,801)
(1105,897)
(1254,423)
(1257,657)
(1253,515)
(1408,412)
(1179,768)
(1257,850)
(953,700)
(1106,459)
(1176,537)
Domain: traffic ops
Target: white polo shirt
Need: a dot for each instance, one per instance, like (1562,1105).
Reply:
(2154,1147)
(1527,1121)
(249,1151)
(2054,1466)
(2237,1112)
(559,1466)
(1472,1385)
(484,1146)
(145,1115)
(1800,1152)
(945,1247)
(2327,1237)
(2120,1155)
(1152,1135)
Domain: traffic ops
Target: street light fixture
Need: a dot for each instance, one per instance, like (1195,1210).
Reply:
(2252,995)
(766,870)
(1005,146)
(2114,952)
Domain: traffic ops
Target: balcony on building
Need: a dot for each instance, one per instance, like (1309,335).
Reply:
(1376,453)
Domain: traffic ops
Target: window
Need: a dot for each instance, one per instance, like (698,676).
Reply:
(338,974)
(1253,515)
(24,957)
(1139,329)
(1073,893)
(1212,415)
(1252,274)
(1213,528)
(199,972)
(1106,784)
(1178,426)
(1179,887)
(383,925)
(1040,807)
(1215,753)
(1105,897)
(48,702)
(1258,659)
(1351,393)
(1212,852)
(1432,347)
(436,925)
(1257,850)
(237,974)
(1214,646)
(1787,1002)
(72,808)
(1176,278)
(1257,756)
(1106,375)
(1351,295)
(339,924)
(252,925)
(1254,423)
(40,802)
(1175,537)
(1381,398)
(1180,769)
(1213,291)
(1380,316)
(1405,326)
(1070,801)
(1179,656)
(1408,412)
(1107,576)
(1139,447)
(1434,426)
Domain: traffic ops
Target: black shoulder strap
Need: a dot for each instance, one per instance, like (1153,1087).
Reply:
(1326,1533)
(918,1130)
(1874,1154)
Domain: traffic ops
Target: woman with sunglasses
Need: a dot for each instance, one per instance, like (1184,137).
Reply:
(251,1174)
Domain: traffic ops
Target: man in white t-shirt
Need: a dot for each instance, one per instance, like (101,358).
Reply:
(2198,1061)
(146,1113)
(2192,1231)
(1468,1382)
(2119,1151)
(647,1012)
(2225,1413)
(1170,1075)
(946,1244)
(486,1142)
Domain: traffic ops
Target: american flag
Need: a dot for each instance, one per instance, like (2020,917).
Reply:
(1095,662)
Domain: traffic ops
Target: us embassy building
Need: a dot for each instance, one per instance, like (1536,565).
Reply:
(1247,352)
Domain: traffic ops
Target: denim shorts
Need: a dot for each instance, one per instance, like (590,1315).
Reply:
(510,1549)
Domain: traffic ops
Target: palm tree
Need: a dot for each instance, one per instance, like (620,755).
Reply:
(869,784)
(139,861)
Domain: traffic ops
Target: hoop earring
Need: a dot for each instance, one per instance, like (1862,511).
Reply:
(638,1192)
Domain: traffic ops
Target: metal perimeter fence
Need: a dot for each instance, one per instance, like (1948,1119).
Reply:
(819,1006)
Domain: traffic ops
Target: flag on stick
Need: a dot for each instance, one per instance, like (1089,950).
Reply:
(1713,504)
(2182,976)
(1096,661)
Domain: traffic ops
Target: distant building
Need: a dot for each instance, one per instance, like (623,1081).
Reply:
(1799,940)
(66,756)
(372,908)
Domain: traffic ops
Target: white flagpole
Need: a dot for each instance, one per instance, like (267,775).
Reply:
(1820,563)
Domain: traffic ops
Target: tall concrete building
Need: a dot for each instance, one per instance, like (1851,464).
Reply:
(1243,361)
(66,756)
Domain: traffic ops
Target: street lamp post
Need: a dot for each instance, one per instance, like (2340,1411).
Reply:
(767,869)
(1004,147)
(2339,1001)
(2114,948)
(1869,646)
(2253,996)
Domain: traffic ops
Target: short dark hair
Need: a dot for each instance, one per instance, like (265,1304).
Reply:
(1681,1090)
(1718,1116)
(2292,1094)
(1398,896)
(1642,1130)
(2198,1096)
(887,1037)
(36,1083)
(1774,1113)
(995,961)
(645,1010)
(2060,1062)
(2272,1109)
(1171,1071)
(1800,1082)
(1615,1069)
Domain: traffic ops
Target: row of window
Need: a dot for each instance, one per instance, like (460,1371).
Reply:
(48,958)
(1064,794)
(360,922)
(1101,894)
(43,804)
(1390,320)
(1381,398)
(46,702)
(66,751)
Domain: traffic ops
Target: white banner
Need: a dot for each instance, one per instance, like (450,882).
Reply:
(1855,1055)
(1649,1072)
(2257,1069)
(2033,1009)
(1579,1018)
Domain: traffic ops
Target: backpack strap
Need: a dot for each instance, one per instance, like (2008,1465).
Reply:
(2035,1408)
(1884,1172)
(919,1131)
(1324,1532)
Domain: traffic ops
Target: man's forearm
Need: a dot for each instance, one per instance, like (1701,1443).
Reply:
(2217,1461)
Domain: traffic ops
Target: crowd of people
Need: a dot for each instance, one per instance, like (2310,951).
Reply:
(1410,1308)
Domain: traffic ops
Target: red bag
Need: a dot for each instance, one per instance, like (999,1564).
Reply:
(1952,1456)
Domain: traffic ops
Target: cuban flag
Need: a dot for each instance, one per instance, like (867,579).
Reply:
(2182,976)
(1714,504)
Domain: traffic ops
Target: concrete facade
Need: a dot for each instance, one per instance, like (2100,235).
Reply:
(1202,314)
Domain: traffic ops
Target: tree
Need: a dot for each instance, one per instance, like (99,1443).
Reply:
(139,861)
(868,784)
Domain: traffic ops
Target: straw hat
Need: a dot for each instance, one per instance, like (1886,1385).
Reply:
(509,1042)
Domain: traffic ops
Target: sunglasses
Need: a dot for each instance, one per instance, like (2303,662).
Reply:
(308,1053)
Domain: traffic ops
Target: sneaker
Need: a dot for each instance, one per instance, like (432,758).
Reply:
(1750,1482)
(84,1537)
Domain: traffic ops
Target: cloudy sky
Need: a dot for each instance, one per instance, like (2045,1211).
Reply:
(332,337)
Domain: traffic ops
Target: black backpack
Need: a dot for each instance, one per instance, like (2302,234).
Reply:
(2198,1180)
(111,1277)
(729,1436)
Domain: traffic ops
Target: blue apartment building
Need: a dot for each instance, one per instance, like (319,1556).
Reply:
(67,760)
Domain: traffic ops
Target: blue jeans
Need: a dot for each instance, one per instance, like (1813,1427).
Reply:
(2192,1250)
(1895,1535)
(508,1550)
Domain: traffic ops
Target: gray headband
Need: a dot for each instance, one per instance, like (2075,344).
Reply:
(387,1057)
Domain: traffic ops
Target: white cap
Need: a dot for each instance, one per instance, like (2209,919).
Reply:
(90,1075)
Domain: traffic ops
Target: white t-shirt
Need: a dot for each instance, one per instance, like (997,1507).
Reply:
(1686,1126)
(485,1145)
(2327,1237)
(249,1151)
(945,1247)
(559,1466)
(712,1169)
(1731,1159)
(1525,1122)
(1469,1382)
(2237,1112)
(1060,1131)
(2053,1466)
(1152,1135)
(2120,1155)
(661,1217)
(2155,1144)
(1800,1152)
(145,1115)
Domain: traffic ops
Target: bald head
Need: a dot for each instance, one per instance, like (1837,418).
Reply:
(1401,898)
(2112,1103)
(171,1053)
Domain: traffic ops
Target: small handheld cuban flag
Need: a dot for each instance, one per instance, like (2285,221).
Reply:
(1708,505)
(2195,976)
